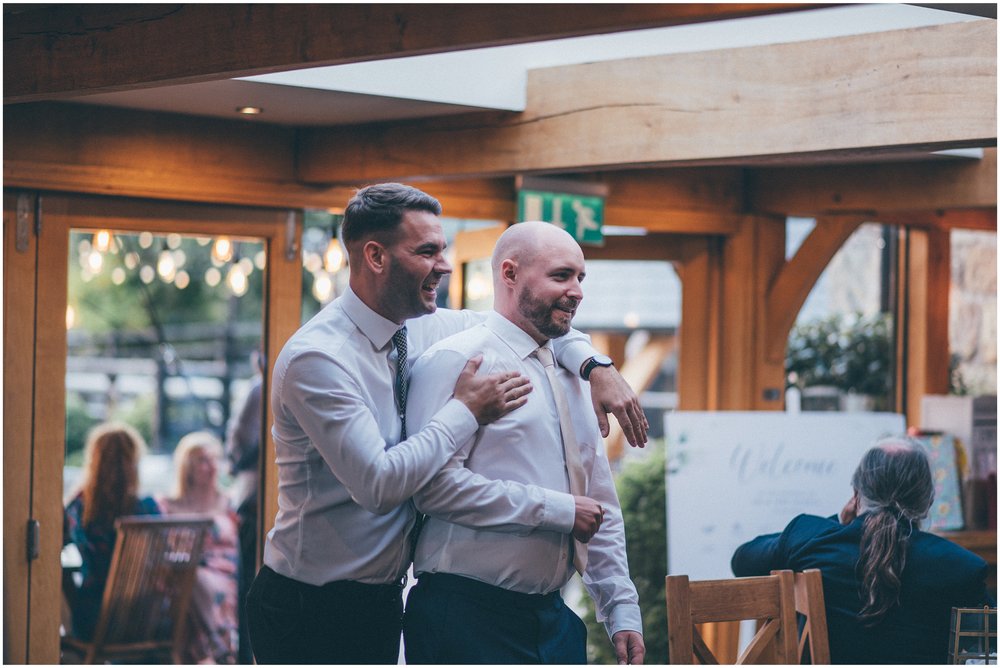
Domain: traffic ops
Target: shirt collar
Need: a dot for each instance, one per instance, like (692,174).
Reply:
(516,338)
(378,329)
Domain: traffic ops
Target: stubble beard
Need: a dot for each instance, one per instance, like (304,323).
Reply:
(539,314)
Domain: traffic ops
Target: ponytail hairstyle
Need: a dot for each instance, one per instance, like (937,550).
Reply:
(894,487)
(111,473)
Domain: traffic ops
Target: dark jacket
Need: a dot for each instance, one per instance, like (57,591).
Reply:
(938,575)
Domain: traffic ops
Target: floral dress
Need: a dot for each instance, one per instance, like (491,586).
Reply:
(96,543)
(213,628)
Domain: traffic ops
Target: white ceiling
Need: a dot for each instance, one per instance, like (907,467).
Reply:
(494,78)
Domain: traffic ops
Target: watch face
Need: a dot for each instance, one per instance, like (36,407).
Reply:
(603,360)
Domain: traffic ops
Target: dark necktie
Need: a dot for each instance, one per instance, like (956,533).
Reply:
(402,377)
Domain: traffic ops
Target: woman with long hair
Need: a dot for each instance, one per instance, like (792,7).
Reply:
(109,490)
(888,586)
(213,635)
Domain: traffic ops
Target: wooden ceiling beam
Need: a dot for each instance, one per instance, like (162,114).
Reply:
(875,188)
(55,51)
(922,88)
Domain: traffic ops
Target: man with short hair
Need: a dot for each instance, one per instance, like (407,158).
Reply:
(504,529)
(335,561)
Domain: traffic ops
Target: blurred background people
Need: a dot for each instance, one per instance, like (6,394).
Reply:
(212,635)
(889,587)
(109,490)
(243,453)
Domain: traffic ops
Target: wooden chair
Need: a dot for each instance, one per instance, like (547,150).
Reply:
(769,598)
(144,610)
(810,604)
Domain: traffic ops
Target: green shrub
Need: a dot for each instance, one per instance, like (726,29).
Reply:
(642,491)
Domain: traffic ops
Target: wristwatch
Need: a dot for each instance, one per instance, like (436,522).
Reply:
(593,363)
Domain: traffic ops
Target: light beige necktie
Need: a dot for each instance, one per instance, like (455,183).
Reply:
(571,449)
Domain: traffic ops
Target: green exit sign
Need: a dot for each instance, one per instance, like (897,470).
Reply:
(580,215)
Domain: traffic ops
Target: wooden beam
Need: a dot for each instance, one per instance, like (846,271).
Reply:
(54,51)
(875,189)
(984,219)
(928,261)
(931,87)
(796,278)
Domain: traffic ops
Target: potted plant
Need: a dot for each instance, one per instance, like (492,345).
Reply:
(845,356)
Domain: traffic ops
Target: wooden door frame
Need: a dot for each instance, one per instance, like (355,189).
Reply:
(35,298)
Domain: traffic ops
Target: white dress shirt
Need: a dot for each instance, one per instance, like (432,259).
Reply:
(500,511)
(344,478)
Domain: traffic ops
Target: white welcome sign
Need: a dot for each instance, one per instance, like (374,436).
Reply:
(732,476)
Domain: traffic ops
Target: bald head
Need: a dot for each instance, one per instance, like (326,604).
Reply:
(523,242)
(537,271)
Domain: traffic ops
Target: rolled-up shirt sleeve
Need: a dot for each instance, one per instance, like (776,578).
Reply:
(458,495)
(327,403)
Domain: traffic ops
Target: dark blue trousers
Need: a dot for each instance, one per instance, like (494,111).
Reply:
(340,622)
(451,620)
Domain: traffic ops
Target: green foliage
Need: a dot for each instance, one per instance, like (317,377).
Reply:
(139,414)
(78,423)
(642,492)
(853,353)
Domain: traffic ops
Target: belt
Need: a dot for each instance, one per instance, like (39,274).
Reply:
(480,590)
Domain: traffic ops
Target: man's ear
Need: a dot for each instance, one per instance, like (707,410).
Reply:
(375,256)
(508,272)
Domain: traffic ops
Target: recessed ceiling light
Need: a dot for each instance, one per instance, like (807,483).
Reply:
(249,111)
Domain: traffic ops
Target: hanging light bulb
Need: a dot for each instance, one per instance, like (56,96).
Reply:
(166,266)
(333,258)
(102,241)
(95,261)
(182,280)
(237,280)
(222,251)
(322,287)
(212,277)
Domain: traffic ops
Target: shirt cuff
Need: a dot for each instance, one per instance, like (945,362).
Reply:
(573,355)
(560,512)
(457,419)
(624,617)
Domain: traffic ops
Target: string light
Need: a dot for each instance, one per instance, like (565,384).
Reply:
(222,251)
(237,280)
(102,241)
(333,258)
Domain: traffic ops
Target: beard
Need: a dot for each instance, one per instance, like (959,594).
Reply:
(541,314)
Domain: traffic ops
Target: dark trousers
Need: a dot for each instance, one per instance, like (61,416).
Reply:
(451,619)
(340,622)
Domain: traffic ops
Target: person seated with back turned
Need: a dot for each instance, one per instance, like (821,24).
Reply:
(529,499)
(212,633)
(109,490)
(889,587)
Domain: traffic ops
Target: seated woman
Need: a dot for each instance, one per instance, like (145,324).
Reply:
(889,587)
(213,635)
(109,490)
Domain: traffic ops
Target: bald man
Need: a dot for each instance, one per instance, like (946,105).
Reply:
(529,499)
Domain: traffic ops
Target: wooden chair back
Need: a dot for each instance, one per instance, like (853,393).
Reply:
(144,610)
(770,599)
(809,603)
